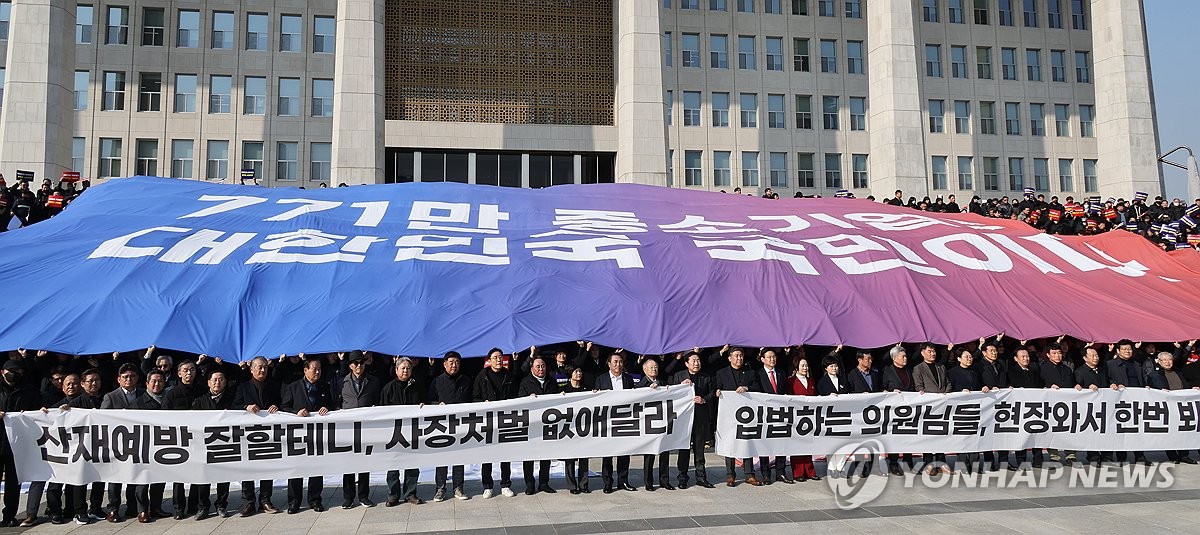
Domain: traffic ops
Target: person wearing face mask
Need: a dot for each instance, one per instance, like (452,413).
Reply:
(15,396)
(537,383)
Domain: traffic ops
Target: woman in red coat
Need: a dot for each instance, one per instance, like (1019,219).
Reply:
(802,385)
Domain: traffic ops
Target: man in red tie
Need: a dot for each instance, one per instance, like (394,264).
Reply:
(773,381)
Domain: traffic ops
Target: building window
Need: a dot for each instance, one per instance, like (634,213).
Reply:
(825,8)
(749,169)
(1062,120)
(779,172)
(83,24)
(1008,63)
(691,50)
(110,157)
(983,62)
(114,91)
(981,11)
(937,113)
(745,6)
(987,117)
(1012,118)
(966,173)
(666,47)
(689,4)
(1066,182)
(962,117)
(1016,174)
(991,174)
(929,10)
(182,158)
(322,98)
(78,150)
(799,7)
(828,55)
(958,62)
(286,161)
(217,166)
(147,157)
(1006,13)
(805,170)
(691,108)
(1058,65)
(858,113)
(746,52)
(320,167)
(955,11)
(692,172)
(289,97)
(255,99)
(153,26)
(185,93)
(748,106)
(718,5)
(1090,184)
(854,57)
(220,96)
(83,80)
(669,107)
(323,35)
(721,170)
(1037,119)
(804,112)
(800,57)
(774,7)
(117,29)
(858,166)
(720,109)
(776,117)
(258,36)
(291,33)
(829,113)
(150,91)
(933,61)
(718,55)
(833,170)
(1083,73)
(1033,61)
(1031,15)
(187,35)
(1078,15)
(1087,117)
(854,9)
(222,29)
(1041,174)
(252,158)
(774,53)
(938,167)
(1054,14)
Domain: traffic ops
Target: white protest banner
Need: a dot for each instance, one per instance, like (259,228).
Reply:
(126,446)
(1133,419)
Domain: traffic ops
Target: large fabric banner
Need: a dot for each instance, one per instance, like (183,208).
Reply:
(421,269)
(126,446)
(752,425)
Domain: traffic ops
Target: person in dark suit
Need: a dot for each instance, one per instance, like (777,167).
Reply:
(864,379)
(218,398)
(83,497)
(260,393)
(897,377)
(537,383)
(150,497)
(1127,373)
(966,378)
(801,383)
(451,387)
(1023,375)
(405,389)
(615,379)
(180,398)
(359,389)
(124,397)
(1093,376)
(578,480)
(705,397)
(831,382)
(16,395)
(652,379)
(741,379)
(929,375)
(495,383)
(304,397)
(773,380)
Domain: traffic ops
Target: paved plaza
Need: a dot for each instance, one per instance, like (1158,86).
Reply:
(1012,502)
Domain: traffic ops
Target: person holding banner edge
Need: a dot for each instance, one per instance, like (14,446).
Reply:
(305,397)
(738,378)
(258,394)
(405,389)
(615,379)
(358,389)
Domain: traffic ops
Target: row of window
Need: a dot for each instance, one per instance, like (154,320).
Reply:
(853,9)
(981,11)
(1009,69)
(989,166)
(691,55)
(777,169)
(288,91)
(748,108)
(222,29)
(216,159)
(963,109)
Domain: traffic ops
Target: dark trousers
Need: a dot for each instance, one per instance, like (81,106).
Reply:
(87,500)
(202,495)
(681,462)
(543,474)
(150,497)
(893,460)
(1022,456)
(181,501)
(395,490)
(486,479)
(930,458)
(1175,455)
(114,496)
(54,500)
(265,489)
(779,465)
(862,468)
(296,488)
(994,459)
(577,479)
(12,487)
(731,467)
(664,468)
(356,484)
(606,471)
(456,476)
(971,462)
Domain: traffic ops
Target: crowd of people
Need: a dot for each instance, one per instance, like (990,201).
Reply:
(308,385)
(22,206)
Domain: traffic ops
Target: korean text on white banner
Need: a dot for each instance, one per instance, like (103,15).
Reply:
(127,446)
(753,425)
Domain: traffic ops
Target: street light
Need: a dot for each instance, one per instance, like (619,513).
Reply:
(1193,170)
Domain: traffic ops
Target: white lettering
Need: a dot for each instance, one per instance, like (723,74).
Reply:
(119,247)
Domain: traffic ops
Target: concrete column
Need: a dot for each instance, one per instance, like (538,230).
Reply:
(358,91)
(1126,129)
(897,147)
(37,120)
(641,123)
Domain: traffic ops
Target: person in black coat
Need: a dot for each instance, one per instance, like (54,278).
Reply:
(538,383)
(16,395)
(449,388)
(965,378)
(359,389)
(863,379)
(897,377)
(774,380)
(1093,376)
(615,379)
(217,398)
(405,389)
(495,383)
(149,497)
(1022,374)
(993,370)
(1125,371)
(831,382)
(578,480)
(651,378)
(303,398)
(260,393)
(740,379)
(88,399)
(705,390)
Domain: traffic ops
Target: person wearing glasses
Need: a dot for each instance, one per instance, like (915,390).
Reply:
(125,396)
(359,389)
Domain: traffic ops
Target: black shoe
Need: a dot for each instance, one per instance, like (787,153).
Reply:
(666,486)
(585,490)
(650,488)
(530,491)
(575,491)
(83,520)
(682,485)
(58,520)
(815,478)
(547,489)
(704,483)
(1187,460)
(391,502)
(293,509)
(222,512)
(317,507)
(609,490)
(627,486)
(179,515)
(348,504)
(247,510)
(204,513)
(8,523)
(367,502)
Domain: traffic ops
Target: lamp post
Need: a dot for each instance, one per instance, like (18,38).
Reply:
(1190,165)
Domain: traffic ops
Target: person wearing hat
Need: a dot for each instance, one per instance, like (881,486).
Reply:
(359,389)
(15,396)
